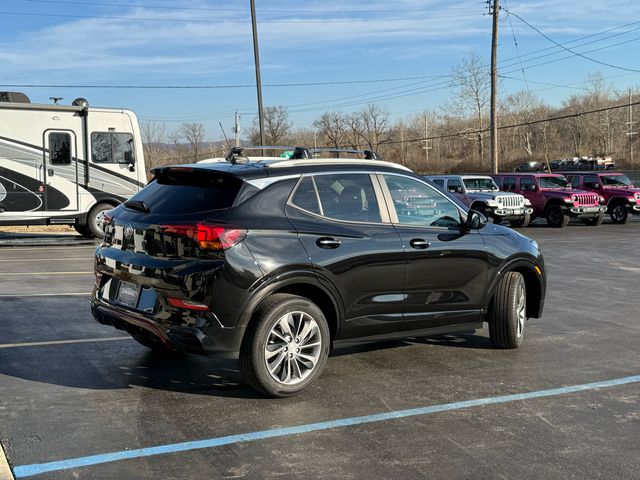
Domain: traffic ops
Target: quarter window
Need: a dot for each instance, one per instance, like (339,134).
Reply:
(417,203)
(59,148)
(306,196)
(111,147)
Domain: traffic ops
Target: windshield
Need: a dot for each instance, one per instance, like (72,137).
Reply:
(616,180)
(486,184)
(552,182)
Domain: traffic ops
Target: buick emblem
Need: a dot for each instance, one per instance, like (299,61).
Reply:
(128,231)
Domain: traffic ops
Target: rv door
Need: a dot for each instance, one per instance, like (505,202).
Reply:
(60,172)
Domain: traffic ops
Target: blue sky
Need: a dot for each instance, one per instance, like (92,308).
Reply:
(199,43)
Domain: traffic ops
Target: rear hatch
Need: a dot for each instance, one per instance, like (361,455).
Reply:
(165,241)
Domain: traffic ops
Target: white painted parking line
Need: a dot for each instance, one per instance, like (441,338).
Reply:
(43,273)
(5,471)
(29,295)
(62,342)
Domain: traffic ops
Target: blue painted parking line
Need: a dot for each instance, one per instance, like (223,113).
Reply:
(38,468)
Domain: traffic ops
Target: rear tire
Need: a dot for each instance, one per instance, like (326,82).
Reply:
(94,219)
(509,312)
(619,214)
(286,346)
(83,230)
(521,223)
(594,221)
(556,217)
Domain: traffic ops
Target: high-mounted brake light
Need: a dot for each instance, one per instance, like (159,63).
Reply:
(209,237)
(189,305)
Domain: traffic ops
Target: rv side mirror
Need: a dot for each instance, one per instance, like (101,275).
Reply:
(129,157)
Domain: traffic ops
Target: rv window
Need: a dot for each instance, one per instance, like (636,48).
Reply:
(59,148)
(110,147)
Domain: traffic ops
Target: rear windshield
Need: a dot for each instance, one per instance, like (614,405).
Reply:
(177,192)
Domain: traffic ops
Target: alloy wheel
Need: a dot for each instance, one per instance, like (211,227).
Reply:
(293,348)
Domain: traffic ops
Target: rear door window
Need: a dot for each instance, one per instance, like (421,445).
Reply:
(348,197)
(187,191)
(509,184)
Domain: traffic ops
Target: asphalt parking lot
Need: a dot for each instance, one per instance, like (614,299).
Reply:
(80,400)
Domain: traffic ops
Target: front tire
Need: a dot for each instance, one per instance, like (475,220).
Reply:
(595,221)
(509,312)
(619,214)
(286,346)
(556,217)
(522,222)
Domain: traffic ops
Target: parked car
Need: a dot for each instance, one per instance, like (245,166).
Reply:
(531,167)
(482,194)
(275,262)
(621,196)
(552,198)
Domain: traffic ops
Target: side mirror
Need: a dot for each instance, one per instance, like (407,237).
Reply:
(459,190)
(534,188)
(129,157)
(475,220)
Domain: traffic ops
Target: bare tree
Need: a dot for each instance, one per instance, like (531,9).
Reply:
(193,133)
(375,126)
(332,126)
(276,126)
(473,86)
(154,138)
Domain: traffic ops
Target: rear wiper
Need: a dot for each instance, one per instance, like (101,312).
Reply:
(137,205)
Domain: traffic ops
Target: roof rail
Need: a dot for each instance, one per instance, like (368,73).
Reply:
(238,155)
(367,154)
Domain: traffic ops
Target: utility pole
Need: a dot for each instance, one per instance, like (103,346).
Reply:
(426,140)
(236,129)
(494,87)
(256,56)
(631,133)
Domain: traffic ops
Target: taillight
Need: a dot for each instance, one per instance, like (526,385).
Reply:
(208,237)
(189,305)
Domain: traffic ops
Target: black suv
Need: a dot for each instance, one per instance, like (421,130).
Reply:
(276,262)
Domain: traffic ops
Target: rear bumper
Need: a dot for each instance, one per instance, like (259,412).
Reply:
(206,337)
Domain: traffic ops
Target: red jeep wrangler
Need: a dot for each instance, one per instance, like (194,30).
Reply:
(622,198)
(553,198)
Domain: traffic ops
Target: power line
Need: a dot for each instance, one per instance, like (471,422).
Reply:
(515,42)
(234,20)
(568,49)
(522,124)
(213,87)
(217,9)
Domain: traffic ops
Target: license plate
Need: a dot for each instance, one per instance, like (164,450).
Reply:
(128,294)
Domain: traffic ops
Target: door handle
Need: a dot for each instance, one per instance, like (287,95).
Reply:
(328,242)
(419,243)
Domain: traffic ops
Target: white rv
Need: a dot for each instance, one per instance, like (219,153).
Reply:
(66,164)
